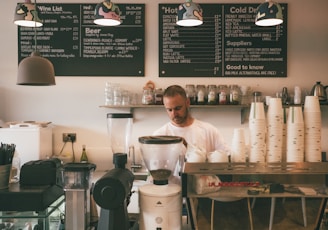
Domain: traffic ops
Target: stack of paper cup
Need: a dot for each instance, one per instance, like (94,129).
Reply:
(274,138)
(238,146)
(312,129)
(257,131)
(295,135)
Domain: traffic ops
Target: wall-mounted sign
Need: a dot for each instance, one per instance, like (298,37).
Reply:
(228,44)
(78,47)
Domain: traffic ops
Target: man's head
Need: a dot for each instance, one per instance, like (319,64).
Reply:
(177,105)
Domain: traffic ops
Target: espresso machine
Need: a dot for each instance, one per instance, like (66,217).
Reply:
(160,202)
(112,192)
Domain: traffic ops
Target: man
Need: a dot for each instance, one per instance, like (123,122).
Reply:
(197,133)
(200,134)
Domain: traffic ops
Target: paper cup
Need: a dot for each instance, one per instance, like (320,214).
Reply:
(311,104)
(275,107)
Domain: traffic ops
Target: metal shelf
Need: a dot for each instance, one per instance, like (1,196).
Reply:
(241,108)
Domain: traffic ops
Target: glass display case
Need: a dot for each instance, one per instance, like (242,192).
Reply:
(31,207)
(48,219)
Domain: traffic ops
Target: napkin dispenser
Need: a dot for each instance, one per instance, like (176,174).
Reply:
(40,172)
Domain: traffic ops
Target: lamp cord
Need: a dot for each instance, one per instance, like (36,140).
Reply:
(35,32)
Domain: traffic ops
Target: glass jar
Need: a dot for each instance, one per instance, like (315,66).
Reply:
(147,97)
(235,95)
(201,92)
(212,97)
(257,96)
(191,94)
(158,96)
(223,94)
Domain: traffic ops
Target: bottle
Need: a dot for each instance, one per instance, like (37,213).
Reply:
(84,157)
(297,95)
(284,96)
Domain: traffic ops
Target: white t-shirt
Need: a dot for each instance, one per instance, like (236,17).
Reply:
(201,134)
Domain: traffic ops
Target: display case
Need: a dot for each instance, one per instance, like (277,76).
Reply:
(31,207)
(48,219)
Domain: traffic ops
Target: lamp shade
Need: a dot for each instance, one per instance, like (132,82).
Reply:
(26,14)
(269,13)
(189,14)
(107,14)
(36,70)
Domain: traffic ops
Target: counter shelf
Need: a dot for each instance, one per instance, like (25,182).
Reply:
(274,172)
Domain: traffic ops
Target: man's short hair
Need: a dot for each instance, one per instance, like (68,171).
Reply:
(174,90)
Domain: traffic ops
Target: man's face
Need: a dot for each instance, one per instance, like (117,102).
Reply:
(177,109)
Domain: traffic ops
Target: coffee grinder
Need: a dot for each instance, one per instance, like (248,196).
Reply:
(76,179)
(112,192)
(160,202)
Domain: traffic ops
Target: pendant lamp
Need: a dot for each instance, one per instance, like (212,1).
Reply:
(189,14)
(269,13)
(35,70)
(26,14)
(107,14)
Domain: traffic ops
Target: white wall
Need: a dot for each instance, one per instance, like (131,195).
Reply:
(73,104)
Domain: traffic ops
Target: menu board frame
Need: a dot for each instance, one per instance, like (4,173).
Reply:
(78,47)
(228,44)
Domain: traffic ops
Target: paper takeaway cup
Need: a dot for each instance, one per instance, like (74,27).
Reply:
(311,104)
(275,107)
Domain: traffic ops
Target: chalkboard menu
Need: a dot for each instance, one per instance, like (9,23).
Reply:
(228,44)
(78,47)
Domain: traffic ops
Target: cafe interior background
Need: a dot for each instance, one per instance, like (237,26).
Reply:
(73,104)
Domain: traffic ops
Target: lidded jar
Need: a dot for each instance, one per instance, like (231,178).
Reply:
(201,92)
(147,97)
(191,93)
(211,97)
(158,96)
(235,95)
(223,94)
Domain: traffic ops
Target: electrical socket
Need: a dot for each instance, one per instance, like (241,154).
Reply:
(69,137)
